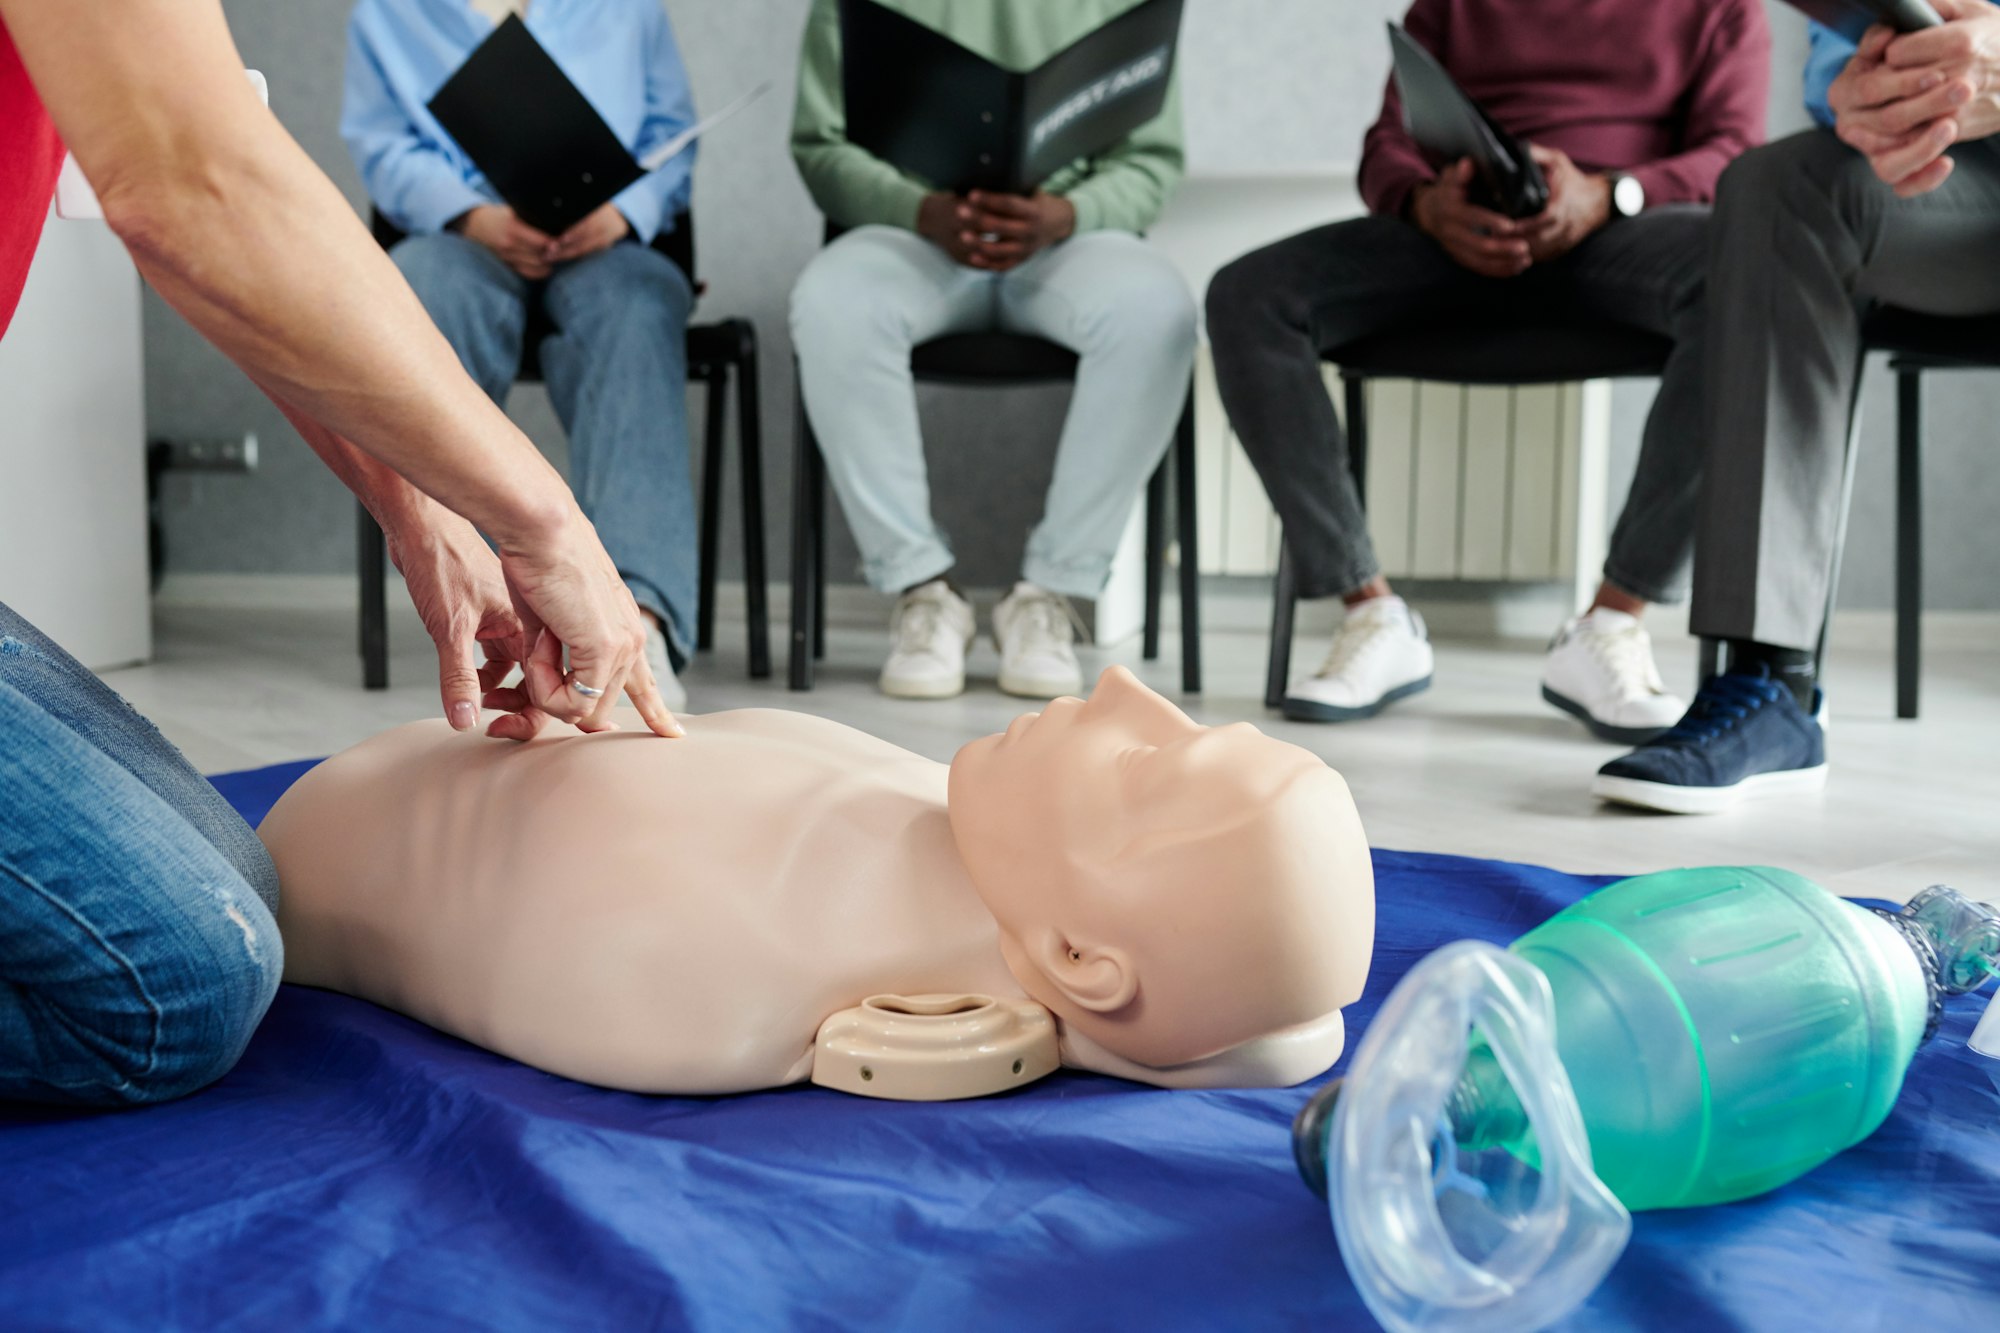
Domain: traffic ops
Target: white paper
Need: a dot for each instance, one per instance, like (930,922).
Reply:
(667,151)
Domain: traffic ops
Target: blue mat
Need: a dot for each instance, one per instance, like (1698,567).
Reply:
(358,1170)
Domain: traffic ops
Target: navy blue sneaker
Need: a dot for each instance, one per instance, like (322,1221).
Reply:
(1744,735)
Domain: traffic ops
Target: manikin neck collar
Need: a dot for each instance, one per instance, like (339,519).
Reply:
(1286,1057)
(952,1046)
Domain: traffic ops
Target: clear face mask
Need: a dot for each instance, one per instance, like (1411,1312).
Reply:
(1462,1190)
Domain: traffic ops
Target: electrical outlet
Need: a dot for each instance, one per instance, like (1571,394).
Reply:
(210,455)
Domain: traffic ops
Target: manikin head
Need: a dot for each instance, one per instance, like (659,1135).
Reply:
(1171,891)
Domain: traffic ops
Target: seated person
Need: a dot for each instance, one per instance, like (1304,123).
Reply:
(1809,233)
(1632,108)
(617,370)
(1194,904)
(1067,264)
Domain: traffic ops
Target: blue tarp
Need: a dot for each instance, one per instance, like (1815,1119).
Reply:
(358,1170)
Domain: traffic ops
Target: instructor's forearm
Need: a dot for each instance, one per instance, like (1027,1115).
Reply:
(233,225)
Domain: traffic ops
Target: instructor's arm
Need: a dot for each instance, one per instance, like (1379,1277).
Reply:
(230,221)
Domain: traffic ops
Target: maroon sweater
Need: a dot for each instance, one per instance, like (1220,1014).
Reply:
(1665,90)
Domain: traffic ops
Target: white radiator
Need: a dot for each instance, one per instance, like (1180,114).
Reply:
(1465,483)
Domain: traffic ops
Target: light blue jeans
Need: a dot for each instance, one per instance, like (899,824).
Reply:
(617,377)
(875,293)
(137,947)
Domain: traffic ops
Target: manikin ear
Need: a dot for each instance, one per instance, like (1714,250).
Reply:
(1094,977)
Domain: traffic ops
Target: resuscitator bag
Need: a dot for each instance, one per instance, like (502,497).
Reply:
(1673,1040)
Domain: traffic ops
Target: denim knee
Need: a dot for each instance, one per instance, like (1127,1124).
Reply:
(208,1013)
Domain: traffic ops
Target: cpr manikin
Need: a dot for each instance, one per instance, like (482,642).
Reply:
(1194,905)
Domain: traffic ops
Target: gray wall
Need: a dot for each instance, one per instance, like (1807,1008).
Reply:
(1268,83)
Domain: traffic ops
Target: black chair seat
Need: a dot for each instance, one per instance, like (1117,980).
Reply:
(991,358)
(1506,354)
(1934,340)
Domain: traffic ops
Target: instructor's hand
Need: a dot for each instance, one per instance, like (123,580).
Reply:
(455,581)
(570,596)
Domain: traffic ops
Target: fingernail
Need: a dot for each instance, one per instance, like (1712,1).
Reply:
(464,717)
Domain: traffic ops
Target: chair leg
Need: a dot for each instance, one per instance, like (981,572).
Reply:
(373,564)
(1355,390)
(750,480)
(1156,557)
(711,504)
(1190,551)
(818,470)
(805,579)
(1840,523)
(1284,610)
(1909,539)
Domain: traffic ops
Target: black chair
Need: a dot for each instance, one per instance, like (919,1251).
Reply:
(1915,343)
(1511,354)
(997,359)
(713,352)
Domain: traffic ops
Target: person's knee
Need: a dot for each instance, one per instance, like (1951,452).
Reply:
(1803,173)
(1249,291)
(209,1019)
(461,284)
(849,295)
(1146,303)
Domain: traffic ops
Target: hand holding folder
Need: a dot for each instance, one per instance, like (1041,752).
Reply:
(556,162)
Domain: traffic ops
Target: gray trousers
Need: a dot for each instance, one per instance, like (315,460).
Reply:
(1270,313)
(1805,239)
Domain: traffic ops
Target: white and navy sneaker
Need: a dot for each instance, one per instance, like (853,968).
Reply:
(1600,670)
(1745,735)
(1380,654)
(929,632)
(1035,630)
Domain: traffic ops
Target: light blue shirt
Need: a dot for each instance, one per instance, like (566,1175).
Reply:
(619,53)
(1830,54)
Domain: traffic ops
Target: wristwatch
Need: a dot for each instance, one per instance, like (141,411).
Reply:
(1628,196)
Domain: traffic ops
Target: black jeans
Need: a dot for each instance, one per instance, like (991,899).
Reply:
(1270,313)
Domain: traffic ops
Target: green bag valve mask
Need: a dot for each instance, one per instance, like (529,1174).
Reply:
(1677,1039)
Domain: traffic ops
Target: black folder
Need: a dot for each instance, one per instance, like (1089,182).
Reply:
(1449,125)
(1851,18)
(534,135)
(922,102)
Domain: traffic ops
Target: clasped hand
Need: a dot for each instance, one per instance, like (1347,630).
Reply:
(1495,246)
(532,252)
(1903,100)
(995,232)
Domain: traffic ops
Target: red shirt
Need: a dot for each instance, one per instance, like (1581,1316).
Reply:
(30,157)
(1668,91)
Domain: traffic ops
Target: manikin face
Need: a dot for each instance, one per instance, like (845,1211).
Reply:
(1170,889)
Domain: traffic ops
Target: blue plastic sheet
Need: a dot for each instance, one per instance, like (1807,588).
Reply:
(358,1170)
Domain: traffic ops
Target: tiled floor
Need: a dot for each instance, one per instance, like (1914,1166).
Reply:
(1478,766)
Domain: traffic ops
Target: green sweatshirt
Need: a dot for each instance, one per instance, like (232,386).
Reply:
(1121,190)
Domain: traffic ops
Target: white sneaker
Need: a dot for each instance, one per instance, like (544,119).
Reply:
(928,634)
(672,693)
(1600,670)
(1036,633)
(1381,653)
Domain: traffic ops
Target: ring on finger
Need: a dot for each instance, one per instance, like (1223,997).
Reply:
(587,691)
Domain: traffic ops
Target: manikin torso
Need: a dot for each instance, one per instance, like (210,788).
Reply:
(613,908)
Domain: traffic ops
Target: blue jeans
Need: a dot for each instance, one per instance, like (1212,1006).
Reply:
(137,946)
(617,377)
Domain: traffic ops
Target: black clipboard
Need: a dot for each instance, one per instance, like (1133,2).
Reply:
(933,108)
(555,166)
(1449,125)
(1851,18)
